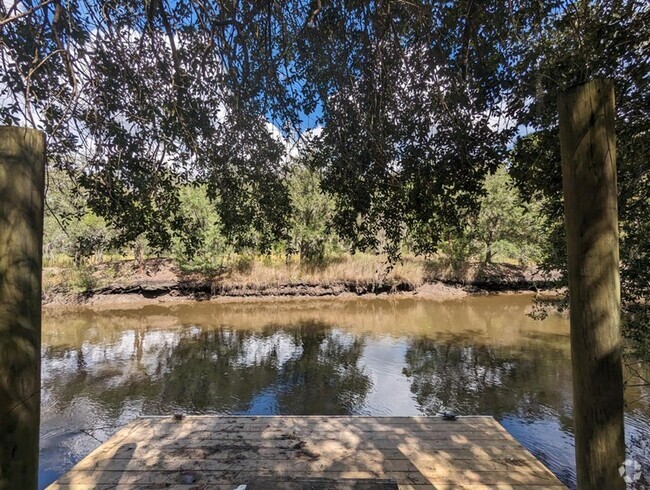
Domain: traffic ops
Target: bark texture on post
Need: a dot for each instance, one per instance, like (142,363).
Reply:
(588,145)
(22,169)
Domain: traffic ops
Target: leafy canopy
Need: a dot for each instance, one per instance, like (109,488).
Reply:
(140,97)
(607,39)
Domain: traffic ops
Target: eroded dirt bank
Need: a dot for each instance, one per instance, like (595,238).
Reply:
(160,281)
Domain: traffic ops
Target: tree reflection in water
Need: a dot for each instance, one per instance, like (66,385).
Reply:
(482,355)
(307,368)
(466,378)
(325,378)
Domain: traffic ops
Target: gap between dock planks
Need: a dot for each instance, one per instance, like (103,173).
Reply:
(223,452)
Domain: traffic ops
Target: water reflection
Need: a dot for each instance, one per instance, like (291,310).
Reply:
(309,368)
(482,379)
(475,356)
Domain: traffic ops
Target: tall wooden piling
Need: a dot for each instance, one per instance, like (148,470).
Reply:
(588,145)
(22,169)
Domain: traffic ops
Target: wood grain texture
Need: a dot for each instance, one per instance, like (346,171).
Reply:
(588,146)
(224,452)
(22,170)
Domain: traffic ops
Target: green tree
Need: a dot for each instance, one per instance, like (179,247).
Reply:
(311,213)
(155,94)
(70,228)
(505,224)
(203,246)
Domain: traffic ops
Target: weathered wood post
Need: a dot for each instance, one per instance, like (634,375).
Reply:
(588,146)
(22,169)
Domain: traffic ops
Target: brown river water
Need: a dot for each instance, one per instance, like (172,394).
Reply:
(474,356)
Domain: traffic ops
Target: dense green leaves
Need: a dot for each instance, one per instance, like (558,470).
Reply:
(138,98)
(311,214)
(70,228)
(410,129)
(416,103)
(505,224)
(203,246)
(156,94)
(586,40)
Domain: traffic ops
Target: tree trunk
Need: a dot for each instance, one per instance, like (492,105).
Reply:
(488,254)
(22,168)
(588,147)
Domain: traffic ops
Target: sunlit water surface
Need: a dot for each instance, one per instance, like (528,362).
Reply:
(479,355)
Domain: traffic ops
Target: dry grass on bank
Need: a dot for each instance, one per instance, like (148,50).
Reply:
(362,269)
(265,272)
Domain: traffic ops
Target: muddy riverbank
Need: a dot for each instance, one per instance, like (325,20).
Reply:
(159,281)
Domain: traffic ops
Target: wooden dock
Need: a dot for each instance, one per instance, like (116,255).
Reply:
(312,452)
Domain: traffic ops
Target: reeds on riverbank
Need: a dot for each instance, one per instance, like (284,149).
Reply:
(266,273)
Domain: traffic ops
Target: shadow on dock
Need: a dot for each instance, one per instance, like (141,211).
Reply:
(310,452)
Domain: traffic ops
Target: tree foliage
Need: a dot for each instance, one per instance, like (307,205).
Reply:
(505,224)
(153,95)
(204,246)
(410,123)
(156,94)
(311,215)
(70,228)
(593,39)
(417,101)
(503,227)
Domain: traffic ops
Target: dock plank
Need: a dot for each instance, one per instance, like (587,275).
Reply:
(226,451)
